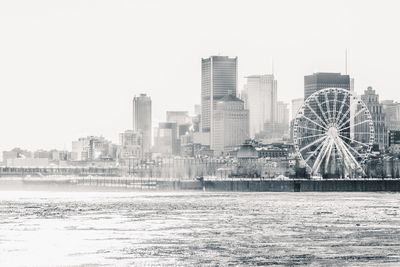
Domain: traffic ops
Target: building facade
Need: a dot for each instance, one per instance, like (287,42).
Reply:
(260,97)
(392,114)
(231,124)
(296,104)
(93,148)
(165,141)
(321,80)
(130,145)
(371,99)
(142,119)
(218,79)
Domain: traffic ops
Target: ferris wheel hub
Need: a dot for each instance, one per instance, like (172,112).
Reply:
(333,132)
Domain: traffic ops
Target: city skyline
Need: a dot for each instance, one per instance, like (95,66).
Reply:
(50,95)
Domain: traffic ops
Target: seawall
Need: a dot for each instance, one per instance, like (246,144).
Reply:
(305,186)
(131,184)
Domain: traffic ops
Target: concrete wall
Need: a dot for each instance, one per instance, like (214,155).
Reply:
(304,186)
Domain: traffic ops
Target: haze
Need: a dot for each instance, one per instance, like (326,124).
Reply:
(71,68)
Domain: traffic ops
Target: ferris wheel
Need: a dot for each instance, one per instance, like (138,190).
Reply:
(333,133)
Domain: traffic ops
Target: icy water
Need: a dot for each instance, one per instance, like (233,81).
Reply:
(199,229)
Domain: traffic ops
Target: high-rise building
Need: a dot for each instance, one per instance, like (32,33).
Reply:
(321,80)
(179,117)
(165,141)
(182,121)
(142,119)
(296,104)
(392,114)
(231,124)
(218,79)
(371,99)
(280,127)
(259,94)
(282,114)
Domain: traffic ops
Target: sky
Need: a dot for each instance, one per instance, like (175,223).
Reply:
(71,68)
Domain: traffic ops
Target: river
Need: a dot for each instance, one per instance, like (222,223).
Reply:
(39,228)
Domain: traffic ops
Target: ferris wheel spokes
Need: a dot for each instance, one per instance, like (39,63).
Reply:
(328,111)
(352,140)
(321,136)
(318,117)
(312,129)
(320,108)
(343,117)
(354,125)
(314,142)
(325,128)
(314,152)
(320,156)
(311,136)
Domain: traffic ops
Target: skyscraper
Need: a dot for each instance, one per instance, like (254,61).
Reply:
(282,114)
(321,80)
(392,114)
(142,119)
(231,124)
(371,99)
(259,94)
(218,79)
(165,141)
(296,104)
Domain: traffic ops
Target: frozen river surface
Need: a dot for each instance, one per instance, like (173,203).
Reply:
(199,228)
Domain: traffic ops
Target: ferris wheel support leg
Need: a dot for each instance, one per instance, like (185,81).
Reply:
(320,156)
(345,163)
(328,155)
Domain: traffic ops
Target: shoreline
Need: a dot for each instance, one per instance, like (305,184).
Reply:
(221,185)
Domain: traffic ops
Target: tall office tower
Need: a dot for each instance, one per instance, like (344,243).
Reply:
(371,99)
(218,79)
(259,94)
(179,117)
(165,141)
(182,120)
(392,112)
(231,122)
(296,104)
(321,80)
(282,114)
(142,119)
(280,127)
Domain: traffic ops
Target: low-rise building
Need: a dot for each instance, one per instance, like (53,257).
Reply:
(92,148)
(130,145)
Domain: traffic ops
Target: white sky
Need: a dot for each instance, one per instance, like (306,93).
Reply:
(70,68)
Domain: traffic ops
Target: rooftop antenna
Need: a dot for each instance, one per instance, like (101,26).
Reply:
(345,62)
